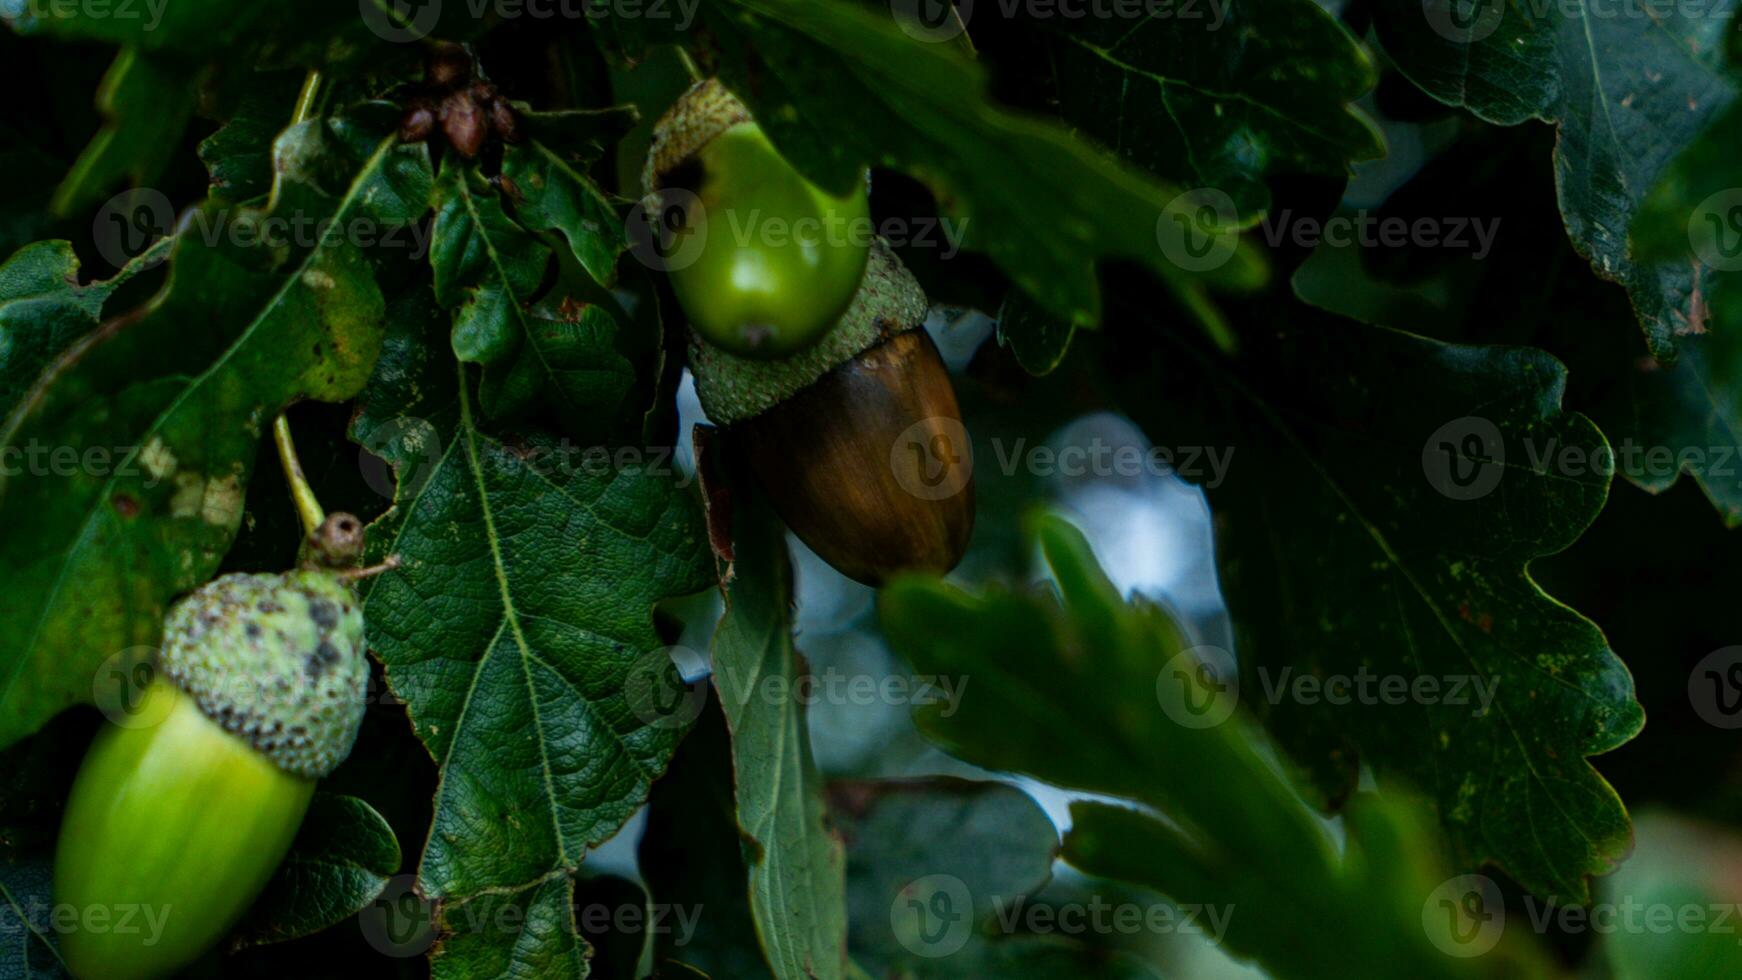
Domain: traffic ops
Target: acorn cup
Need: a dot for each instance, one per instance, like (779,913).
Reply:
(177,826)
(855,435)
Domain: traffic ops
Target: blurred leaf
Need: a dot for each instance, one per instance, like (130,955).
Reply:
(1222,95)
(1378,519)
(1626,90)
(189,27)
(797,888)
(1672,904)
(917,849)
(341,859)
(146,102)
(1089,692)
(1695,401)
(1037,339)
(839,88)
(28,948)
(519,616)
(162,412)
(38,775)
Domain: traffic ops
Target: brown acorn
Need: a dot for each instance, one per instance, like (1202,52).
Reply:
(858,441)
(868,464)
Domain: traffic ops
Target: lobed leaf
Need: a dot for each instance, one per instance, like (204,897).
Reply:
(795,861)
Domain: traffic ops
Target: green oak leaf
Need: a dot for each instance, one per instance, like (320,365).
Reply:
(156,417)
(342,857)
(987,842)
(44,309)
(551,192)
(1384,500)
(1690,221)
(839,88)
(1627,91)
(488,271)
(797,896)
(1083,689)
(517,620)
(146,101)
(525,931)
(1221,97)
(238,157)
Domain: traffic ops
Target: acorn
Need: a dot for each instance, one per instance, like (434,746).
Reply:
(179,824)
(775,259)
(854,433)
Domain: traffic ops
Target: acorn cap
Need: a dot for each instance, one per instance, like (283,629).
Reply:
(699,115)
(277,660)
(889,302)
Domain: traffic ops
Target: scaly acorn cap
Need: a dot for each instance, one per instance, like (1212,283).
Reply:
(889,302)
(699,115)
(277,660)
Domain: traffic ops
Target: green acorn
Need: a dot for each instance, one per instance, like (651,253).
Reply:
(178,825)
(855,434)
(777,259)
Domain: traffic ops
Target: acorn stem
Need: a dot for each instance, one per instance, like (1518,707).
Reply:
(305,100)
(307,507)
(689,65)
